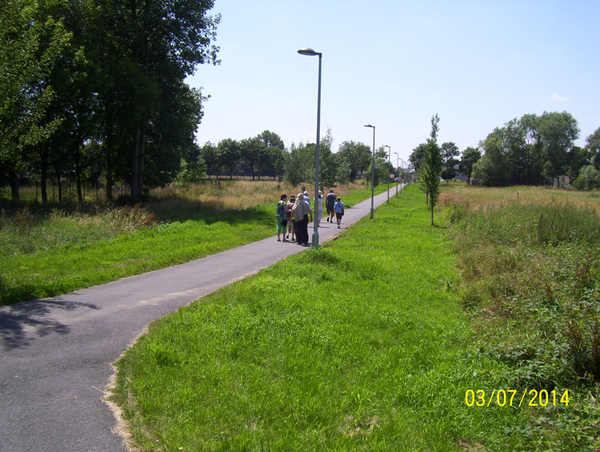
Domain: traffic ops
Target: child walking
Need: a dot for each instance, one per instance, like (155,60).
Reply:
(339,211)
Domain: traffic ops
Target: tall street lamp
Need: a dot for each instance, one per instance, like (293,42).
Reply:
(315,238)
(397,166)
(373,171)
(388,172)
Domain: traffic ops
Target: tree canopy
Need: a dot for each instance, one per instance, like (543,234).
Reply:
(531,150)
(101,83)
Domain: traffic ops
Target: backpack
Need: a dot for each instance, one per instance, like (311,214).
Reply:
(280,211)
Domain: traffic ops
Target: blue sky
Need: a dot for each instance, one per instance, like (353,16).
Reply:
(394,64)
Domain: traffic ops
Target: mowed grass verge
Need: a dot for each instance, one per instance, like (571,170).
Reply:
(44,255)
(361,345)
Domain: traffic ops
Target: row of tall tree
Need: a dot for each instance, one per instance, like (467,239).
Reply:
(266,155)
(94,87)
(536,150)
(531,150)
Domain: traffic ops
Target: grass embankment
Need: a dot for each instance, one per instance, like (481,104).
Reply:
(361,345)
(50,250)
(530,277)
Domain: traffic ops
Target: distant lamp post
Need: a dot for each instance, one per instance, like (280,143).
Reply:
(397,166)
(315,238)
(373,173)
(388,172)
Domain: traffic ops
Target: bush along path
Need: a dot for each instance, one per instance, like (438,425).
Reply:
(361,345)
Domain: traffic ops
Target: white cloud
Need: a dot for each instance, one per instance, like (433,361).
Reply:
(557,98)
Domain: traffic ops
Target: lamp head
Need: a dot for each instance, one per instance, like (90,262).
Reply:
(369,125)
(308,51)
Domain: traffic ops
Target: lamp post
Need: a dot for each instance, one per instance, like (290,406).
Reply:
(388,172)
(397,166)
(315,238)
(373,171)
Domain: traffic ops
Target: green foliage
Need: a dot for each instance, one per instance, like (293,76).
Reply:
(107,75)
(469,158)
(493,169)
(210,155)
(530,277)
(344,172)
(31,42)
(588,178)
(299,164)
(357,156)
(431,167)
(531,150)
(328,162)
(449,153)
(229,152)
(382,169)
(191,173)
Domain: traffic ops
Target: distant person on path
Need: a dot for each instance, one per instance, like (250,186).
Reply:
(303,213)
(320,207)
(306,198)
(339,211)
(329,203)
(281,218)
(290,219)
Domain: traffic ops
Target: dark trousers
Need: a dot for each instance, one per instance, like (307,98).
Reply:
(302,230)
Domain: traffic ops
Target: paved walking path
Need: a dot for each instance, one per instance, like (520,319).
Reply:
(56,353)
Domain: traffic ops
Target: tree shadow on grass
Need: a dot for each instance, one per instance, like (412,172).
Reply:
(22,323)
(185,209)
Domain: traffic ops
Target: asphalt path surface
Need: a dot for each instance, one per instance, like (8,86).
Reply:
(56,353)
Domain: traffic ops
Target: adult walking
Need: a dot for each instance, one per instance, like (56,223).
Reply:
(329,203)
(281,217)
(290,219)
(319,208)
(306,197)
(303,214)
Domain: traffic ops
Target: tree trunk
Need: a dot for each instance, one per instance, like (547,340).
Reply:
(135,158)
(137,163)
(14,186)
(44,174)
(57,172)
(78,172)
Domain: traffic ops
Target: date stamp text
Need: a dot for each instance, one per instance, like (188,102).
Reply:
(512,397)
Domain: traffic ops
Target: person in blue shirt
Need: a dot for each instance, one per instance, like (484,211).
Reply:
(339,211)
(329,203)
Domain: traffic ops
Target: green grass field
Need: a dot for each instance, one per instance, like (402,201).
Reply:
(384,339)
(47,252)
(361,345)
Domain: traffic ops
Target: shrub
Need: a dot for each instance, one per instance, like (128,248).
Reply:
(588,179)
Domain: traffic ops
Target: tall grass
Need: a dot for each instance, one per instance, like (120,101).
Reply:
(53,249)
(531,279)
(225,195)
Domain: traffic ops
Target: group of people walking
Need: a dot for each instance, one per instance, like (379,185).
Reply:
(294,215)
